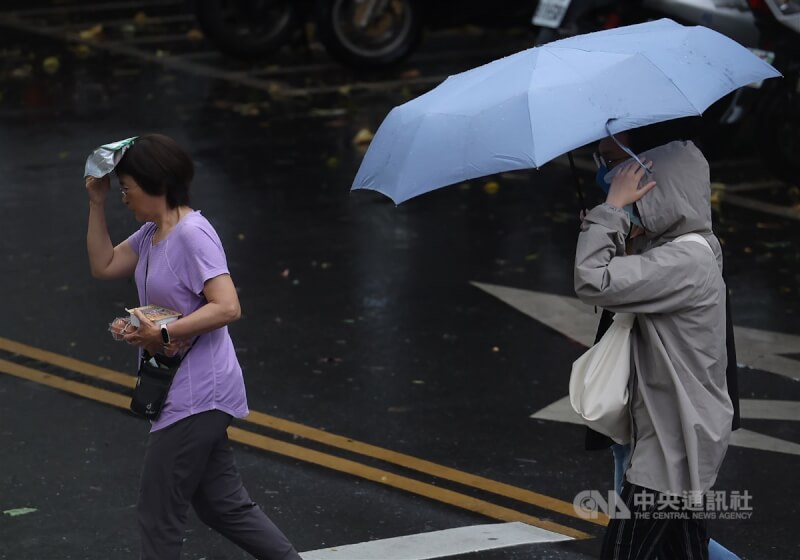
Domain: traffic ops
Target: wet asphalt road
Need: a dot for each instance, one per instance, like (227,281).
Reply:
(360,319)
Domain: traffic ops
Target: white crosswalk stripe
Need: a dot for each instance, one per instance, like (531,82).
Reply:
(440,544)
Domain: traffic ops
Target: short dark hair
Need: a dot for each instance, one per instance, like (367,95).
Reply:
(160,167)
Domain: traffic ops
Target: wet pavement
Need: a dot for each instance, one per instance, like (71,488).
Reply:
(391,395)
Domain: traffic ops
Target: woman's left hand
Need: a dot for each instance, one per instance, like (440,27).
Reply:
(147,336)
(625,187)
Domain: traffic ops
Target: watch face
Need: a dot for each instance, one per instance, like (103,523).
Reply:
(164,334)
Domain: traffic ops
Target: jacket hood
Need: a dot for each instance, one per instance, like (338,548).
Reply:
(681,201)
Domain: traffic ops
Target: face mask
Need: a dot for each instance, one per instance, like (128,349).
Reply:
(634,220)
(600,178)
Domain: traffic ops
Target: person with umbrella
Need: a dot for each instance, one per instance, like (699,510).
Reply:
(680,406)
(611,153)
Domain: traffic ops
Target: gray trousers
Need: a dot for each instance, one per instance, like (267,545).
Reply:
(191,461)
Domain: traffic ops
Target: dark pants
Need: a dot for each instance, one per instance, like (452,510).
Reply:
(191,461)
(642,537)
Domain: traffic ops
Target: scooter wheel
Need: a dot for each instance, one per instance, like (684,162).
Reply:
(247,29)
(385,39)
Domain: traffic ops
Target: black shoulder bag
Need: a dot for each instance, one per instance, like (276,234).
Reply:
(155,375)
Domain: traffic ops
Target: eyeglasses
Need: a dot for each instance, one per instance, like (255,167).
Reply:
(600,161)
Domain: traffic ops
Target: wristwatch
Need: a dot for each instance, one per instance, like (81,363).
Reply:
(164,335)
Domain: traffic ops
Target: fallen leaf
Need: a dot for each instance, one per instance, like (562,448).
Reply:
(285,273)
(194,35)
(410,74)
(240,237)
(495,348)
(22,72)
(491,187)
(247,109)
(335,112)
(140,18)
(51,64)
(81,51)
(91,33)
(19,511)
(345,90)
(363,136)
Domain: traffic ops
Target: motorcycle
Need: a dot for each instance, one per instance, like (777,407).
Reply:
(778,114)
(361,34)
(250,29)
(562,18)
(726,125)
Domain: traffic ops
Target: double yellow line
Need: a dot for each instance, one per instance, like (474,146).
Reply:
(326,460)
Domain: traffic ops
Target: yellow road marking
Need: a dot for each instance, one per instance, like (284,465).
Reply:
(327,438)
(265,443)
(67,385)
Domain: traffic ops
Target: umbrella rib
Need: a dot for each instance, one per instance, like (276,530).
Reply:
(654,65)
(639,55)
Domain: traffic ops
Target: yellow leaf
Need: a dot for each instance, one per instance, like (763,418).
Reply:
(51,64)
(22,72)
(194,35)
(92,32)
(364,136)
(491,187)
(81,51)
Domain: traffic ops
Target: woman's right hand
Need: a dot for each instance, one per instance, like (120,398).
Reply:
(98,188)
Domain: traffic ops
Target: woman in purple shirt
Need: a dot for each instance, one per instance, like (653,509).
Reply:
(178,262)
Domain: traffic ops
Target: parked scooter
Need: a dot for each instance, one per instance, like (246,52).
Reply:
(557,19)
(250,29)
(778,114)
(362,34)
(726,124)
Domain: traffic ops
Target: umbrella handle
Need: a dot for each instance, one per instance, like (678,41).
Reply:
(577,181)
(647,172)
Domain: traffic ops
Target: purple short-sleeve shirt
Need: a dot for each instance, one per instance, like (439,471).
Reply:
(172,273)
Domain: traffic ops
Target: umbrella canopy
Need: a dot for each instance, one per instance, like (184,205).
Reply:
(523,110)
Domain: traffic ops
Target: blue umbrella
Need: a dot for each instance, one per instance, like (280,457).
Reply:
(521,111)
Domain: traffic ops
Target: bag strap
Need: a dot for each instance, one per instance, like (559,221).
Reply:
(146,274)
(696,237)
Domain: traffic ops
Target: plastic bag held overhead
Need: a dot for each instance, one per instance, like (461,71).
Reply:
(104,159)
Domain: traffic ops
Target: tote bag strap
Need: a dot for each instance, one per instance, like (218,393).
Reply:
(695,237)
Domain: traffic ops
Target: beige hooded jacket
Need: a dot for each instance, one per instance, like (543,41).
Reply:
(680,408)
